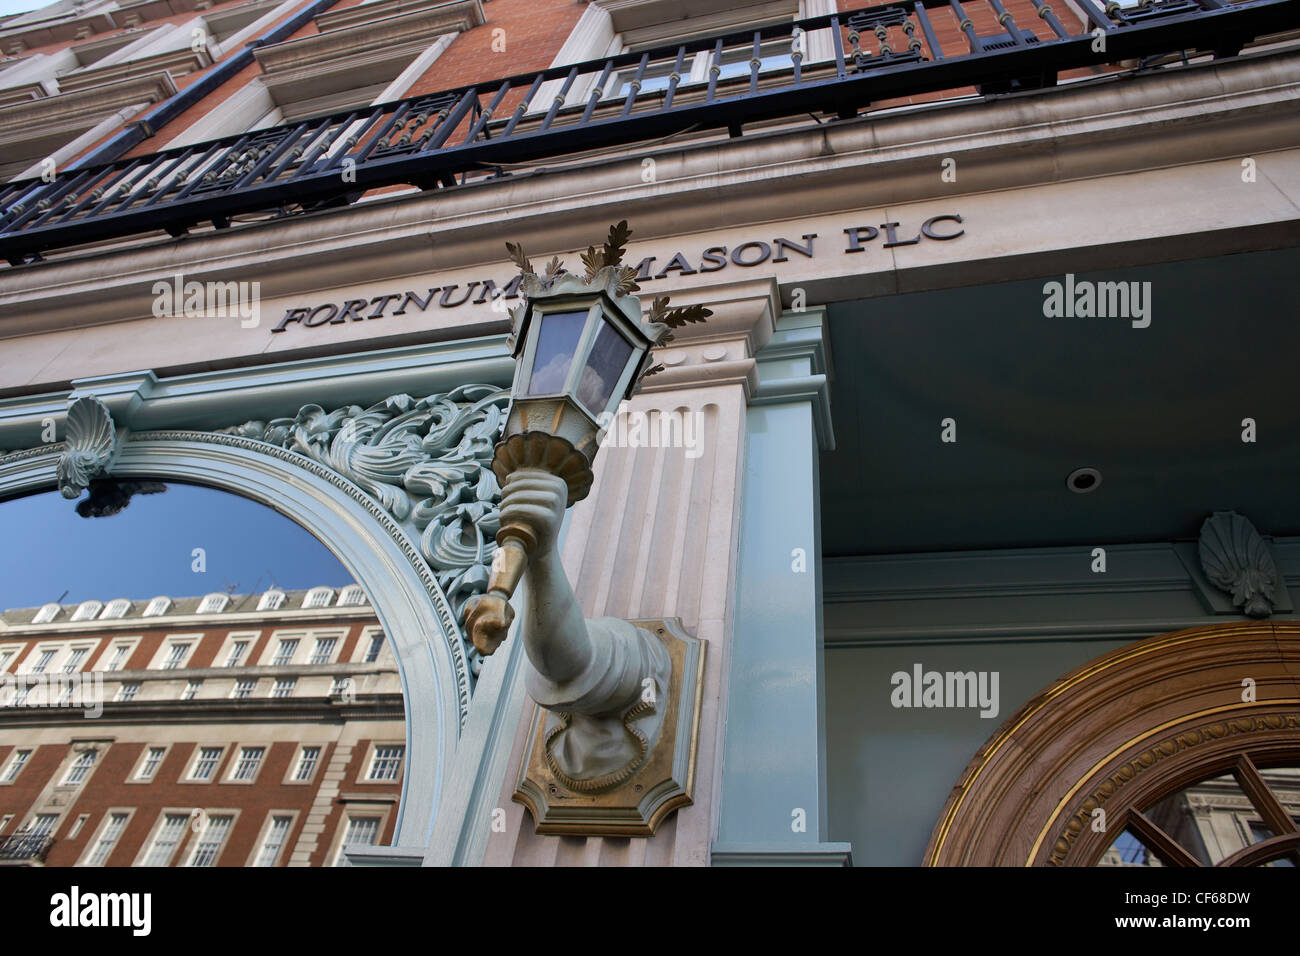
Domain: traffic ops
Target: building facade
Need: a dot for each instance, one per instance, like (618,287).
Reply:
(221,730)
(974,485)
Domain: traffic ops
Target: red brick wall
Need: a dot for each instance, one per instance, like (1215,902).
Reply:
(108,788)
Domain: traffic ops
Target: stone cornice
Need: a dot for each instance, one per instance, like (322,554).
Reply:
(33,119)
(338,48)
(23,94)
(29,37)
(375,66)
(468,12)
(173,62)
(632,14)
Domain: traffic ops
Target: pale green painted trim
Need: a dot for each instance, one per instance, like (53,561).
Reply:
(140,401)
(406,598)
(775,684)
(794,366)
(478,772)
(755,854)
(385,856)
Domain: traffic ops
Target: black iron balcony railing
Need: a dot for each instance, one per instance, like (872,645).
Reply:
(25,848)
(833,65)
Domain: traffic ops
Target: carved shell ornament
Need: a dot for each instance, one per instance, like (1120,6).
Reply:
(1237,560)
(91,442)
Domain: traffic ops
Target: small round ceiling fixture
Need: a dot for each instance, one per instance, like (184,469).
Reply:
(1083,480)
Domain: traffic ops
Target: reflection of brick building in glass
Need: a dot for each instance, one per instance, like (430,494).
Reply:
(1213,820)
(261,730)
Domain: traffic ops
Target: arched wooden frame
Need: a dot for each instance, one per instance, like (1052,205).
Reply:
(1120,733)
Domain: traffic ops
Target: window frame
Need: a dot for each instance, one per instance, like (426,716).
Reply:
(78,617)
(271,600)
(163,654)
(280,658)
(37,652)
(220,598)
(344,825)
(120,605)
(330,654)
(88,852)
(372,758)
(78,764)
(105,657)
(196,843)
(150,842)
(161,609)
(362,648)
(233,765)
(85,649)
(137,774)
(310,600)
(216,772)
(36,618)
(228,645)
(264,834)
(291,774)
(10,775)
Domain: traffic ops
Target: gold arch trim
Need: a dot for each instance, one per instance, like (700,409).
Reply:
(1051,822)
(1117,658)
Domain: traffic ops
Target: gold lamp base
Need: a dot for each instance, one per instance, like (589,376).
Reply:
(548,452)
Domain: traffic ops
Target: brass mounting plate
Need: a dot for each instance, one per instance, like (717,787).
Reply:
(665,781)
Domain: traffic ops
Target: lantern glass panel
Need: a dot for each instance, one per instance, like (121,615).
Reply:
(608,358)
(557,340)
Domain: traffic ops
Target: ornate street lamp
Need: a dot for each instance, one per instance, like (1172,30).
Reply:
(582,345)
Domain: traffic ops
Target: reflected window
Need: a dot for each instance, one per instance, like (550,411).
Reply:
(236,655)
(157,606)
(361,831)
(556,343)
(46,614)
(214,603)
(87,611)
(609,355)
(80,768)
(271,601)
(118,659)
(352,596)
(114,609)
(1249,816)
(318,597)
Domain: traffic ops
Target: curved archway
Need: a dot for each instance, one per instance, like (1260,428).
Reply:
(375,550)
(1118,734)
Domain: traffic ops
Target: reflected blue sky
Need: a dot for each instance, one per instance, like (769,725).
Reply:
(146,549)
